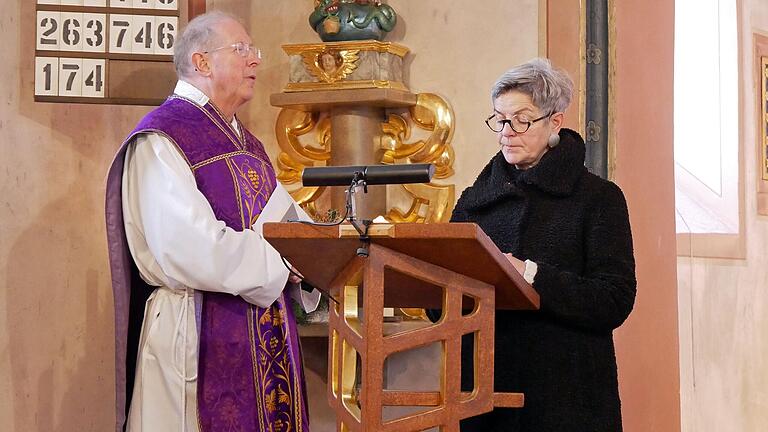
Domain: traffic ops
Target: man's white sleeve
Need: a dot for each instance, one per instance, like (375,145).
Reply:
(282,207)
(175,237)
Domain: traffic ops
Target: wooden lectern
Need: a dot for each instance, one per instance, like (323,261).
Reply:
(453,267)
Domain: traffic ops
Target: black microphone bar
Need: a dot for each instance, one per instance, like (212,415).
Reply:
(371,174)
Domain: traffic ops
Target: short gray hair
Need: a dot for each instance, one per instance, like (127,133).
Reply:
(199,35)
(550,89)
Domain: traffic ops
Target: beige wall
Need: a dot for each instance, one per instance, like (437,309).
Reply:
(56,366)
(56,331)
(723,303)
(647,344)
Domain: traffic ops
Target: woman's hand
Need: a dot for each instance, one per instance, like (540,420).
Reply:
(519,265)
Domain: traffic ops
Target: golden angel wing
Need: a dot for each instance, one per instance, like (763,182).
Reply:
(310,62)
(349,63)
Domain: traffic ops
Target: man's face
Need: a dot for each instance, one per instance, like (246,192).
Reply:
(232,75)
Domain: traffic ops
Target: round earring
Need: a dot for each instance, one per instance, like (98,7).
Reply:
(553,140)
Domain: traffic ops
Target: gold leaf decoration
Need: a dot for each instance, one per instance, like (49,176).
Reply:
(436,199)
(270,400)
(330,66)
(432,113)
(294,156)
(283,397)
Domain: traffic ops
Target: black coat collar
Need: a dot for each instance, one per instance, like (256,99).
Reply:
(557,174)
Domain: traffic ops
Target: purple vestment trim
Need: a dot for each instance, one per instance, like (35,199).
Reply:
(249,370)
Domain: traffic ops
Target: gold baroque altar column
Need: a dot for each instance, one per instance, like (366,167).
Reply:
(346,88)
(355,132)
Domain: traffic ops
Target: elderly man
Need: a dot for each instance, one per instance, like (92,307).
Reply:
(186,197)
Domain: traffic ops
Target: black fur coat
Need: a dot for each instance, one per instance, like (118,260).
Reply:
(575,226)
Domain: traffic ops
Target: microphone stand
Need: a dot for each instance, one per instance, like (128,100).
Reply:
(361,225)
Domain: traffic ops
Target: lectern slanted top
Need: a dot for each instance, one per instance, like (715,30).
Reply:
(444,266)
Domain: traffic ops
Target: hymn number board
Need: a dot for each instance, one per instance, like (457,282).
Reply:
(105,51)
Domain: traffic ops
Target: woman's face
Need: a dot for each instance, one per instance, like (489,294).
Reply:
(526,149)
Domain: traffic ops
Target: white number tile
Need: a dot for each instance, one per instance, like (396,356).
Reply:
(71,31)
(167,4)
(72,2)
(46,76)
(94,77)
(121,3)
(120,33)
(94,32)
(70,77)
(48,30)
(166,30)
(97,3)
(144,4)
(144,34)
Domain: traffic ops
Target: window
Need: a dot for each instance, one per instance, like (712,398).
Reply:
(707,125)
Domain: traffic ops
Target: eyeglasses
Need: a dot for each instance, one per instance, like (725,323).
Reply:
(241,48)
(519,122)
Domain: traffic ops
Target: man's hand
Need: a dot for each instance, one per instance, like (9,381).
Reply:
(292,278)
(519,265)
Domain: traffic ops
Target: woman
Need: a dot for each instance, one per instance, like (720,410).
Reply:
(567,231)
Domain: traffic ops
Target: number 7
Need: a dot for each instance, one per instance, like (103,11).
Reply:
(120,36)
(74,68)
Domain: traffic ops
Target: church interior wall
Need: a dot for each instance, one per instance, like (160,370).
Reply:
(647,343)
(723,314)
(56,336)
(56,319)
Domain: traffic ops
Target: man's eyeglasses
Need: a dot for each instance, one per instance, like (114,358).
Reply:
(241,48)
(518,122)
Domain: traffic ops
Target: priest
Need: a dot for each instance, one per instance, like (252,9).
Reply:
(215,345)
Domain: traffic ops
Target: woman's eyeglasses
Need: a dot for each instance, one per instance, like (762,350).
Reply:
(518,122)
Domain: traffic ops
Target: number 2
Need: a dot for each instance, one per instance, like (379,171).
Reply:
(54,25)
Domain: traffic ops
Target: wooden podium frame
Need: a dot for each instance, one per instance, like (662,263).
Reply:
(451,267)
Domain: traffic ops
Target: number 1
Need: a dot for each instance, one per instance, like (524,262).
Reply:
(47,71)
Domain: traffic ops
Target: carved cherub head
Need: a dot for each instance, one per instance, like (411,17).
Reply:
(329,62)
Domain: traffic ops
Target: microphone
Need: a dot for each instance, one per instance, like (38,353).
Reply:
(371,174)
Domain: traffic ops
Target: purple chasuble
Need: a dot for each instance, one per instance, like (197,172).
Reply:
(249,370)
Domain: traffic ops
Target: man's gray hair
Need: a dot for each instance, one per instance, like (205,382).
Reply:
(199,35)
(550,89)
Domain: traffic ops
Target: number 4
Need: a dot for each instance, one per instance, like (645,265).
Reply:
(89,82)
(145,35)
(94,77)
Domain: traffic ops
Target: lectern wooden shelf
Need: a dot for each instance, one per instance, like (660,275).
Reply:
(453,267)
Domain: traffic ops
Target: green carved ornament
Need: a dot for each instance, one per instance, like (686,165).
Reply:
(345,20)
